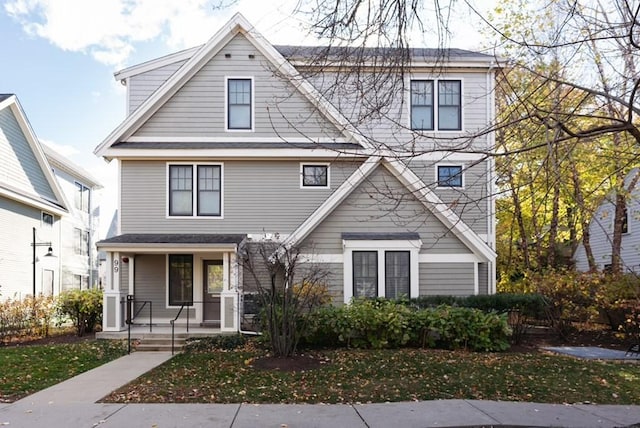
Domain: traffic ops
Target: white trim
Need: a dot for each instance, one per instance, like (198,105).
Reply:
(231,139)
(325,164)
(28,200)
(450,165)
(251,105)
(476,281)
(132,269)
(119,198)
(381,247)
(154,64)
(449,258)
(278,153)
(194,189)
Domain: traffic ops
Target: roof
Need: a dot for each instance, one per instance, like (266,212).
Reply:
(59,161)
(381,236)
(173,238)
(4,96)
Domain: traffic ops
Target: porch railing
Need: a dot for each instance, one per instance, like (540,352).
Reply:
(173,324)
(131,303)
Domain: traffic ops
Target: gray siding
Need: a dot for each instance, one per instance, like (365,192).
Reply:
(19,168)
(471,202)
(483,278)
(391,125)
(198,108)
(259,197)
(382,204)
(151,284)
(455,279)
(143,85)
(16,253)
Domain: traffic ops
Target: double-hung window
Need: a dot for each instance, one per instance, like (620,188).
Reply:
(441,107)
(365,273)
(82,197)
(239,104)
(449,176)
(195,189)
(80,242)
(180,287)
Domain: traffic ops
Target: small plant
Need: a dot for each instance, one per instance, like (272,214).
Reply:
(83,307)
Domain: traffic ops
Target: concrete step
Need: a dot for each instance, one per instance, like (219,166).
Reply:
(160,344)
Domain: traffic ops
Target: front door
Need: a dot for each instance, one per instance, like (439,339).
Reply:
(213,278)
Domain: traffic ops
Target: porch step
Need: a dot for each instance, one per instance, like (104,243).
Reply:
(161,342)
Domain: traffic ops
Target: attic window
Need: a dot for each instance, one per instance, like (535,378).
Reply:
(239,104)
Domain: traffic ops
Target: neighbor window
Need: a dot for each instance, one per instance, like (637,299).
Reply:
(82,197)
(449,176)
(422,104)
(239,104)
(80,242)
(625,220)
(315,175)
(180,279)
(444,106)
(207,198)
(47,219)
(449,105)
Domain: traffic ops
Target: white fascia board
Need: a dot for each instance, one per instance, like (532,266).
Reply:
(153,64)
(164,248)
(244,154)
(64,164)
(38,152)
(231,139)
(439,209)
(32,202)
(332,201)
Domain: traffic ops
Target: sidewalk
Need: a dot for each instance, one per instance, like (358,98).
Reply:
(72,404)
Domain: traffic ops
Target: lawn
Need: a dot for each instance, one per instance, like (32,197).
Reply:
(363,376)
(27,369)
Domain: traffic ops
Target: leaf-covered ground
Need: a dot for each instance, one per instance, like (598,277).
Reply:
(349,376)
(27,369)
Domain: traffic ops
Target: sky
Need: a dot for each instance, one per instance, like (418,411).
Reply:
(59,56)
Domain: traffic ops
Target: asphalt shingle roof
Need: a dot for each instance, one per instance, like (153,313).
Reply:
(174,238)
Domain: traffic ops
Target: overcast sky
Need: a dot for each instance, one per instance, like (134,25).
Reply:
(59,56)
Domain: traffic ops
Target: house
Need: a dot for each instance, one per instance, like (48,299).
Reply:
(79,228)
(32,205)
(236,141)
(601,231)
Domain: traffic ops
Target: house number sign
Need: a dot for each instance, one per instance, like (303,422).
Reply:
(116,266)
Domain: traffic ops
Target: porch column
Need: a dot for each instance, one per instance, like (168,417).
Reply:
(113,309)
(229,295)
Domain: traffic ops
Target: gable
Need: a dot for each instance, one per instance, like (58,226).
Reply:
(197,109)
(19,167)
(381,203)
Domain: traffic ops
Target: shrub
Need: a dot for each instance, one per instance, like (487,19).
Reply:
(226,342)
(83,307)
(28,317)
(388,324)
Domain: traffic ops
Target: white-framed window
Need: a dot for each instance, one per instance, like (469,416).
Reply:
(381,268)
(179,279)
(314,175)
(450,175)
(80,242)
(194,190)
(239,104)
(435,102)
(47,219)
(82,197)
(80,282)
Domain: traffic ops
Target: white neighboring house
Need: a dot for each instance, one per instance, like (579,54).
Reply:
(601,231)
(79,229)
(31,207)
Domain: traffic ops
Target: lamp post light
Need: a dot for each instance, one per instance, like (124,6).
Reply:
(35,244)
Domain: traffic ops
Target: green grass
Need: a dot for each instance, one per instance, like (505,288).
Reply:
(28,369)
(363,376)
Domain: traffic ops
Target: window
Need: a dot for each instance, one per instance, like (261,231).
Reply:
(315,175)
(180,279)
(80,282)
(625,221)
(81,197)
(449,175)
(206,201)
(365,273)
(422,104)
(80,242)
(397,278)
(380,264)
(47,219)
(449,105)
(239,104)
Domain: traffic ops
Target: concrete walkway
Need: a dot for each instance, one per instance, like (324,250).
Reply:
(73,404)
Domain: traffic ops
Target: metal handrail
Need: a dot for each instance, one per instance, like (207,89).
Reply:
(173,324)
(131,304)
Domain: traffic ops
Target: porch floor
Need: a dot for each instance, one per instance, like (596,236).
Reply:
(142,332)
